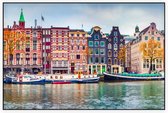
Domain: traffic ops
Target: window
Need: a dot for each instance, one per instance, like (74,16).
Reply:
(78,47)
(152,38)
(115,46)
(17,46)
(121,45)
(96,51)
(77,56)
(102,51)
(146,37)
(115,54)
(96,60)
(77,35)
(72,35)
(90,43)
(109,54)
(102,44)
(90,51)
(96,37)
(78,41)
(34,45)
(90,60)
(59,39)
(115,61)
(83,47)
(71,47)
(152,32)
(17,58)
(158,38)
(115,40)
(96,43)
(47,39)
(34,58)
(102,60)
(115,33)
(109,46)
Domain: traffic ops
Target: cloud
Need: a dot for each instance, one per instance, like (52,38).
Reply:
(104,15)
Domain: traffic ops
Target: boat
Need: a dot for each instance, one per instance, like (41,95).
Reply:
(132,76)
(71,78)
(24,79)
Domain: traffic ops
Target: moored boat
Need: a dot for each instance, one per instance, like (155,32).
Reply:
(132,76)
(61,82)
(25,79)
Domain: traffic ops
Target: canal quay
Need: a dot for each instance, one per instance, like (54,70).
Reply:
(102,95)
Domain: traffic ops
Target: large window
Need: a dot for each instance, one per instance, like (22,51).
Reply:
(102,44)
(115,40)
(158,38)
(90,43)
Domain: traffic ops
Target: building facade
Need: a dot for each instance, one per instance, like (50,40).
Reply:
(22,48)
(60,49)
(46,51)
(140,64)
(114,42)
(78,51)
(97,51)
(128,57)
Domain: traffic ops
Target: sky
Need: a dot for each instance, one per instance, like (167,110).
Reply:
(125,16)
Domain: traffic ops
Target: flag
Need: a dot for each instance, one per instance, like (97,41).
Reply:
(42,18)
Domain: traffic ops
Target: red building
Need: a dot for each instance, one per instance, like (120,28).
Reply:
(26,55)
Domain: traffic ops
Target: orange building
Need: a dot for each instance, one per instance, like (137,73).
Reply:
(59,49)
(78,51)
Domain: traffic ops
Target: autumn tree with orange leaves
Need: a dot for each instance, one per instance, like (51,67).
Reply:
(11,40)
(151,50)
(122,55)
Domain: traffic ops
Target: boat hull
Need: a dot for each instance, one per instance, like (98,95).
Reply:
(111,77)
(30,82)
(88,80)
(61,82)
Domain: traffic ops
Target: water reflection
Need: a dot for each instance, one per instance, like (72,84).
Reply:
(120,95)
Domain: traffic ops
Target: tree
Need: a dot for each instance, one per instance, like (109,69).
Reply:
(12,38)
(151,50)
(121,55)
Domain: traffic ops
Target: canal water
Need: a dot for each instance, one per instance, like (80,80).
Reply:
(102,95)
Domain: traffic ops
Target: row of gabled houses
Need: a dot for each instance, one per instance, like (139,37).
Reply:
(65,50)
